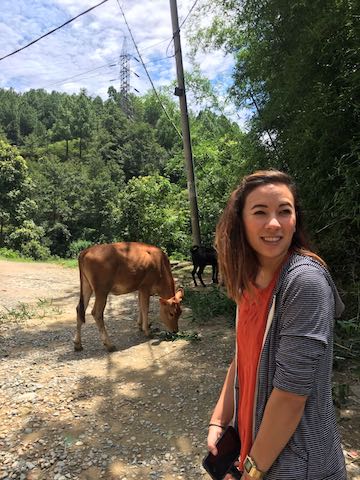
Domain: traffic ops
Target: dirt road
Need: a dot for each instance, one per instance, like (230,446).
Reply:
(140,412)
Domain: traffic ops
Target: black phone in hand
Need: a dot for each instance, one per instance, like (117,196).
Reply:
(228,447)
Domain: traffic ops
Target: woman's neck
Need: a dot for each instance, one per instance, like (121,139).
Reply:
(267,271)
(263,278)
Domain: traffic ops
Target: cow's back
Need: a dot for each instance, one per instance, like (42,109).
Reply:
(122,267)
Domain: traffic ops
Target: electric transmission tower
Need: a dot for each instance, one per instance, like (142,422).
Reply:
(125,80)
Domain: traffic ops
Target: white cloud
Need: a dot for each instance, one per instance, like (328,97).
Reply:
(78,55)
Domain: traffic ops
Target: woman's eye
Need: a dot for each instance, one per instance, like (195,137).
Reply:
(287,211)
(259,212)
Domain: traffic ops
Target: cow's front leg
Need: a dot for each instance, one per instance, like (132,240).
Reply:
(199,274)
(144,300)
(193,274)
(140,316)
(98,314)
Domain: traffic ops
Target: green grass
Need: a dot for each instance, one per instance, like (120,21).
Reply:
(24,311)
(208,303)
(182,335)
(64,262)
(11,255)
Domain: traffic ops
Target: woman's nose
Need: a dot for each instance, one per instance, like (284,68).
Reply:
(273,222)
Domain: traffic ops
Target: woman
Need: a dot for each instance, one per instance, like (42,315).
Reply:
(277,391)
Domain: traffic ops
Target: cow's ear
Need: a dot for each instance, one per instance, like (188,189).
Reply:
(179,295)
(163,301)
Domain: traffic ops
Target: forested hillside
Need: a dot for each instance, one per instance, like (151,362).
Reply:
(75,170)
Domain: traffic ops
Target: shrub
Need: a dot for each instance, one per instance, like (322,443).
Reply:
(35,250)
(27,239)
(8,253)
(59,237)
(25,233)
(76,247)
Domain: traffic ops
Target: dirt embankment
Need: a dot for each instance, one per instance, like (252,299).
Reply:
(140,412)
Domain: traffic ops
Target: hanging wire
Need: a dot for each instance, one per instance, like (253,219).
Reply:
(52,31)
(148,75)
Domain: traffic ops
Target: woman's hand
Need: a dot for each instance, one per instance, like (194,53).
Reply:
(214,434)
(231,475)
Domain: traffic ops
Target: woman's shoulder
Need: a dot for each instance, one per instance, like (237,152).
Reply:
(306,276)
(301,266)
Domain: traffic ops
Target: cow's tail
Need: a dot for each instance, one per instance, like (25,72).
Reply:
(80,308)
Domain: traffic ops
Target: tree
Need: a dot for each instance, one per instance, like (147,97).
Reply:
(15,186)
(83,119)
(141,154)
(153,210)
(63,127)
(296,64)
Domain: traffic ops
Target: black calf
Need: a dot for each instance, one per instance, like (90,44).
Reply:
(202,256)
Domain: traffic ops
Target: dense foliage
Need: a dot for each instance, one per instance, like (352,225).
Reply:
(297,70)
(74,171)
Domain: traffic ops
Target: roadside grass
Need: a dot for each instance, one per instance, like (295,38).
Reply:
(24,311)
(64,262)
(188,335)
(12,256)
(209,303)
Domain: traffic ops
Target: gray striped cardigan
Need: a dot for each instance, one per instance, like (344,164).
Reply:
(297,356)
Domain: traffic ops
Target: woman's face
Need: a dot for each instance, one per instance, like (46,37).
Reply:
(270,221)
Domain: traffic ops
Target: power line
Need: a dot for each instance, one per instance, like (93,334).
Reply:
(178,30)
(147,73)
(155,44)
(189,12)
(113,64)
(52,31)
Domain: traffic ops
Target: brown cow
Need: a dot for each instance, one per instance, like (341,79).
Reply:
(123,268)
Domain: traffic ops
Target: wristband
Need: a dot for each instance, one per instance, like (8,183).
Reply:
(217,425)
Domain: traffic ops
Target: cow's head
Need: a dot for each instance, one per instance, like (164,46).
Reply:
(170,310)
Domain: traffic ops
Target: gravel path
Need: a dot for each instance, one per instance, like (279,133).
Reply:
(140,412)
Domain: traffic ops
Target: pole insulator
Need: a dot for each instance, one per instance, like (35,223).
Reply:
(179,92)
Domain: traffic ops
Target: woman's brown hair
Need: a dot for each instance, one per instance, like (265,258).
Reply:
(238,263)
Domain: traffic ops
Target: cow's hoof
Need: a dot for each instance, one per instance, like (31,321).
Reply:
(78,347)
(111,348)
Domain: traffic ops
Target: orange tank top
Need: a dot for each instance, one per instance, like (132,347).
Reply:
(252,317)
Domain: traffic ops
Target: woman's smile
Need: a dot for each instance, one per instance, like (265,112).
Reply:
(271,239)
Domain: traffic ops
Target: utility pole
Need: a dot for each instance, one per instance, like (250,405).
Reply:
(180,92)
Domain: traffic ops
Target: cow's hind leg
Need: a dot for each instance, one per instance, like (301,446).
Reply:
(143,322)
(98,314)
(81,309)
(199,274)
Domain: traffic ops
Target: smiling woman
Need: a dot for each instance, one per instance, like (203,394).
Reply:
(277,392)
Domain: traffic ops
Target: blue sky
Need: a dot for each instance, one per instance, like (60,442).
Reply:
(85,53)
